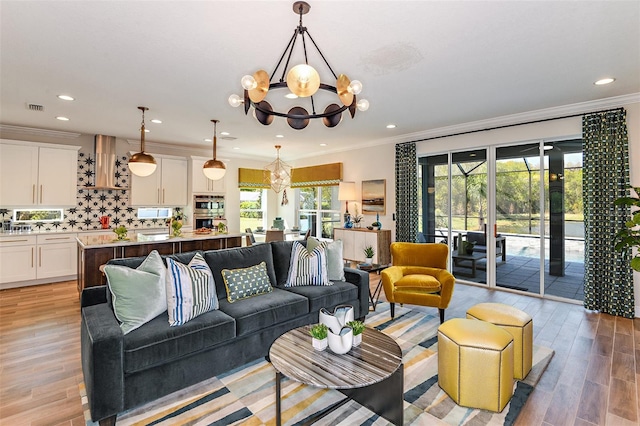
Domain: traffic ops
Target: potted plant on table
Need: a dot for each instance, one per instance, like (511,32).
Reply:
(319,334)
(369,252)
(121,232)
(358,328)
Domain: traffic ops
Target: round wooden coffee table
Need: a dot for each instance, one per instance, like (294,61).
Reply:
(370,374)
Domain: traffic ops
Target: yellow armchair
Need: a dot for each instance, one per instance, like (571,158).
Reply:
(418,276)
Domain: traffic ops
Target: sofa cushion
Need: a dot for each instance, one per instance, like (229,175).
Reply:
(326,296)
(190,290)
(256,313)
(238,258)
(158,343)
(138,295)
(246,282)
(335,260)
(308,267)
(281,260)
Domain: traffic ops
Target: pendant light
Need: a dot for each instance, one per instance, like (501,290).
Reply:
(141,163)
(214,169)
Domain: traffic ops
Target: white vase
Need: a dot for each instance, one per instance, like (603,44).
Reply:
(337,319)
(341,342)
(357,339)
(368,260)
(319,344)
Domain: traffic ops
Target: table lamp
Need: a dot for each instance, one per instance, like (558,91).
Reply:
(346,192)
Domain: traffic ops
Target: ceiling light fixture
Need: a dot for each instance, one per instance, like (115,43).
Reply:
(214,169)
(303,81)
(141,163)
(66,97)
(156,121)
(391,126)
(604,81)
(62,118)
(278,173)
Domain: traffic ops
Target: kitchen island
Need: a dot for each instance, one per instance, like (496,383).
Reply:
(97,249)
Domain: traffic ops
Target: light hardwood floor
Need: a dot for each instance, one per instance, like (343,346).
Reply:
(594,377)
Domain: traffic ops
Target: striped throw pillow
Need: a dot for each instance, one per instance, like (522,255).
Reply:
(191,290)
(308,268)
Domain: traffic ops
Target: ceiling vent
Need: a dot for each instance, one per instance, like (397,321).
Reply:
(35,107)
(228,138)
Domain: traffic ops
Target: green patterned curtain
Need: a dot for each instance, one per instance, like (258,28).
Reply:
(406,192)
(608,278)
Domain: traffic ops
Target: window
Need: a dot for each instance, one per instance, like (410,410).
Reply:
(252,208)
(152,213)
(38,215)
(319,210)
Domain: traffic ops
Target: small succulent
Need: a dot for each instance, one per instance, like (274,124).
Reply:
(319,331)
(121,232)
(369,251)
(356,326)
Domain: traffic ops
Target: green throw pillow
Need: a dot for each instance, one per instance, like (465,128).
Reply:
(335,262)
(246,282)
(138,295)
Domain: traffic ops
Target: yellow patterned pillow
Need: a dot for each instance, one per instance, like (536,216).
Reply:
(246,282)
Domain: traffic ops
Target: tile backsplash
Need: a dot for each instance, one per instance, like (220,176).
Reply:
(93,203)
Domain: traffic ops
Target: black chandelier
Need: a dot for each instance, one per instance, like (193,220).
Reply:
(303,81)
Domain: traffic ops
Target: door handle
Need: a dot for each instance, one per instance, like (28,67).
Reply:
(33,194)
(162,195)
(41,194)
(32,256)
(40,257)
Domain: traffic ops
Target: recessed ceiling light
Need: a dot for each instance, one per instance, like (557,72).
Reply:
(604,81)
(323,144)
(236,147)
(224,133)
(547,147)
(279,136)
(391,126)
(291,96)
(155,120)
(207,140)
(147,130)
(66,97)
(62,118)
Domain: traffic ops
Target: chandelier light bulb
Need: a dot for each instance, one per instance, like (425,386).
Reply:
(248,82)
(363,104)
(355,87)
(235,100)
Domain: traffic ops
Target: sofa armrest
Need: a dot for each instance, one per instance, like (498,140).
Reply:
(361,280)
(102,351)
(93,295)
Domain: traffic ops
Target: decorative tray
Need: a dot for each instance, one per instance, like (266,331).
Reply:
(365,266)
(202,231)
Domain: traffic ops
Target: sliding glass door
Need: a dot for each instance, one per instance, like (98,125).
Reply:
(512,215)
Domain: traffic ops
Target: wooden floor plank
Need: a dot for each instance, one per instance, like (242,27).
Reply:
(597,358)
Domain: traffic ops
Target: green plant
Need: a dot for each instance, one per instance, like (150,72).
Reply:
(356,326)
(319,331)
(369,252)
(629,237)
(121,232)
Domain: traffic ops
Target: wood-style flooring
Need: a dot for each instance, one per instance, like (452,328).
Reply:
(593,379)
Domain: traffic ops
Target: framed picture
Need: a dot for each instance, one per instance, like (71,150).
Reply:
(373,196)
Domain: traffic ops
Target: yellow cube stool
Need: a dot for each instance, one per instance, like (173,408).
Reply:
(516,322)
(475,363)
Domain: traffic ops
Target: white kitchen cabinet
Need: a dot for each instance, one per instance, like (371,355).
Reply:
(33,175)
(57,255)
(200,184)
(354,241)
(17,258)
(37,259)
(167,186)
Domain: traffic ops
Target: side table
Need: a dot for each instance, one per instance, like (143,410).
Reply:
(375,296)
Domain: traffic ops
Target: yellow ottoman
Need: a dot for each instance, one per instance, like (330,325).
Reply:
(475,363)
(516,322)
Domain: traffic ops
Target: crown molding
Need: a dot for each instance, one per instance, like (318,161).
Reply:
(20,130)
(523,118)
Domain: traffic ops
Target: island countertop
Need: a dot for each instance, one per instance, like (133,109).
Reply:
(136,238)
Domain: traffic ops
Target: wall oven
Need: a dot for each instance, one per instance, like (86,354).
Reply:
(208,211)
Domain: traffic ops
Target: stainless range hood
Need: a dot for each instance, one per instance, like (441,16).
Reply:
(105,167)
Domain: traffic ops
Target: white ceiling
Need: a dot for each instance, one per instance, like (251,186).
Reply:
(423,64)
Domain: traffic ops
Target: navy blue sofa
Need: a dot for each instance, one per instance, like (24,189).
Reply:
(124,371)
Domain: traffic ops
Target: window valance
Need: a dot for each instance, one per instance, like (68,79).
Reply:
(252,178)
(321,175)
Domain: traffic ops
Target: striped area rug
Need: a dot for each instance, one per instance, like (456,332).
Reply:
(246,396)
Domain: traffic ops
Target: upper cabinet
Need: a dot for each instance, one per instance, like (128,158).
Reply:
(200,184)
(167,186)
(43,175)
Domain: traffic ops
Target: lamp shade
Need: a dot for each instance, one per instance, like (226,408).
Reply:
(214,169)
(347,191)
(142,164)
